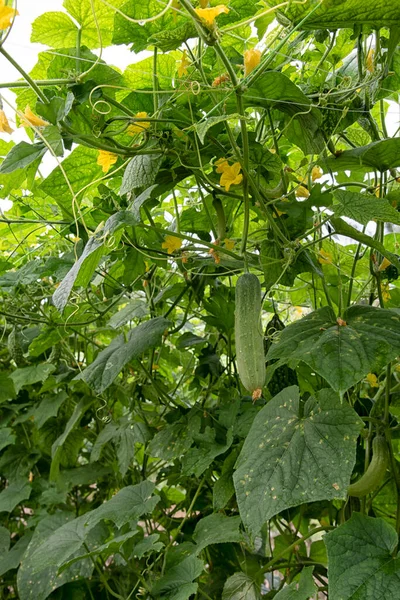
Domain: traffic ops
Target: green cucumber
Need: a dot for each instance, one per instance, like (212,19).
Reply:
(249,337)
(376,471)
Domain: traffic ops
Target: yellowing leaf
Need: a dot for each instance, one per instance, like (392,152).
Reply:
(302,192)
(209,14)
(372,380)
(231,176)
(139,126)
(183,66)
(251,60)
(6,15)
(106,160)
(172,243)
(30,119)
(316,173)
(4,124)
(325,258)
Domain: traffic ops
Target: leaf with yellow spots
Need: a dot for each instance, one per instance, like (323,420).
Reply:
(210,14)
(289,458)
(106,160)
(231,176)
(172,243)
(6,15)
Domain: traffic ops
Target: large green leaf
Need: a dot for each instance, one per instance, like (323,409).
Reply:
(17,491)
(241,587)
(288,459)
(216,529)
(342,353)
(54,29)
(364,208)
(30,375)
(140,75)
(91,16)
(363,564)
(81,169)
(22,155)
(12,558)
(382,155)
(102,372)
(141,171)
(303,590)
(177,583)
(274,89)
(335,14)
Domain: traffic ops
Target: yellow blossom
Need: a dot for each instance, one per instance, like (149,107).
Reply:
(251,60)
(385,291)
(221,164)
(209,14)
(372,380)
(4,124)
(229,244)
(139,126)
(183,66)
(106,160)
(369,61)
(384,264)
(302,192)
(316,173)
(6,15)
(172,243)
(231,176)
(30,119)
(325,258)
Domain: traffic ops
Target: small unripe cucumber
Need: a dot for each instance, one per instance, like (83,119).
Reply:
(249,337)
(376,471)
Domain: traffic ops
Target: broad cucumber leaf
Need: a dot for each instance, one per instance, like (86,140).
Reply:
(241,587)
(30,375)
(7,437)
(277,90)
(304,589)
(135,309)
(55,29)
(80,168)
(335,14)
(12,558)
(53,138)
(110,547)
(14,494)
(103,17)
(343,352)
(362,565)
(364,208)
(38,584)
(382,155)
(216,529)
(141,171)
(140,75)
(102,372)
(177,583)
(199,458)
(203,126)
(288,459)
(22,155)
(127,505)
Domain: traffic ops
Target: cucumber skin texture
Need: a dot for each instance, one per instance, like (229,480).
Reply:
(375,473)
(249,337)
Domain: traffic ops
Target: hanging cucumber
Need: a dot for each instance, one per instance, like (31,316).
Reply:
(376,471)
(249,338)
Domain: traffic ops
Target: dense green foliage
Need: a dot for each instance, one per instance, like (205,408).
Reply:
(133,462)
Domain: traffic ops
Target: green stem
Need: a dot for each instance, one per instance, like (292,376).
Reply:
(37,82)
(25,75)
(78,51)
